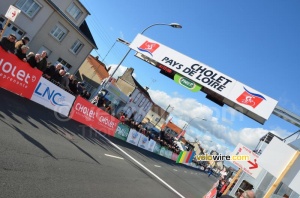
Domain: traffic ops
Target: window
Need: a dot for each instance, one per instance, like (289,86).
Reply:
(74,11)
(66,65)
(43,48)
(137,97)
(76,47)
(58,32)
(128,111)
(142,102)
(139,118)
(147,107)
(11,29)
(29,7)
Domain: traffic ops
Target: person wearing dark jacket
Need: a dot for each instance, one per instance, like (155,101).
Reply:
(20,43)
(8,43)
(22,55)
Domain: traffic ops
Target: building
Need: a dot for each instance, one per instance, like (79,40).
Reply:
(92,72)
(58,27)
(172,129)
(140,101)
(156,117)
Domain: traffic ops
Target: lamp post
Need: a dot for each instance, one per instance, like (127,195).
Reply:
(117,40)
(174,25)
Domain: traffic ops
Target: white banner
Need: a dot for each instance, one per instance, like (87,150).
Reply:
(151,145)
(143,142)
(133,137)
(184,65)
(221,86)
(53,97)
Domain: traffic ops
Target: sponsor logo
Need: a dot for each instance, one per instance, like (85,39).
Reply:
(187,83)
(122,132)
(249,98)
(148,47)
(15,75)
(85,110)
(53,96)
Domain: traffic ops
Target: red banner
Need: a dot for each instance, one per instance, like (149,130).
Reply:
(17,76)
(86,113)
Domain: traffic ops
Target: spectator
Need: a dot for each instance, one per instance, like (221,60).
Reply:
(248,194)
(65,79)
(52,71)
(122,118)
(73,84)
(80,88)
(22,54)
(20,43)
(8,43)
(42,65)
(34,60)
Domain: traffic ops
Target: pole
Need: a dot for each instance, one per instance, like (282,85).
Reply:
(162,115)
(4,28)
(232,181)
(281,176)
(174,25)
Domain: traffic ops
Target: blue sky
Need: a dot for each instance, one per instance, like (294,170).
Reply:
(255,42)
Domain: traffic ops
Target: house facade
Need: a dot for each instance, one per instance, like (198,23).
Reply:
(92,72)
(156,117)
(140,101)
(58,27)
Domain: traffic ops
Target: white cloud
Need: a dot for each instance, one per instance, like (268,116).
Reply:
(217,136)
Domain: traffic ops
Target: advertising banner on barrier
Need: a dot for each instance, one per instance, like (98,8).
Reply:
(122,131)
(151,145)
(105,122)
(83,111)
(174,156)
(165,152)
(53,97)
(17,76)
(86,113)
(157,148)
(133,137)
(143,142)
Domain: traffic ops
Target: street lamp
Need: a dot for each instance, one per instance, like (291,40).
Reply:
(174,25)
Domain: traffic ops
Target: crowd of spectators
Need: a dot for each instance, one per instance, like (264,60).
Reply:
(58,75)
(54,73)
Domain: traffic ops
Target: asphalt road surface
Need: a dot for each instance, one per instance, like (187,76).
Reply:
(43,155)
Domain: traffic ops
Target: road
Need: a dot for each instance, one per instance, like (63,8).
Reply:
(45,155)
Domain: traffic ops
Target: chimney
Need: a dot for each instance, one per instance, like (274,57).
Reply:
(146,88)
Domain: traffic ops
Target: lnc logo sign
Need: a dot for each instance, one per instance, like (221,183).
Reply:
(53,96)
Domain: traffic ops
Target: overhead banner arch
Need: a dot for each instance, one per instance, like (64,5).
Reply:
(218,86)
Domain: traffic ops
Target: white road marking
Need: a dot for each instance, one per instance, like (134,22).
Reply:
(113,156)
(157,166)
(149,171)
(175,170)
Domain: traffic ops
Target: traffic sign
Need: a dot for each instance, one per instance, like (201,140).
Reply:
(12,13)
(249,165)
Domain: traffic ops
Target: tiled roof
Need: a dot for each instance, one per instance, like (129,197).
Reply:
(173,126)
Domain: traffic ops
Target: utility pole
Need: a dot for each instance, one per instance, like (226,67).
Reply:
(169,106)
